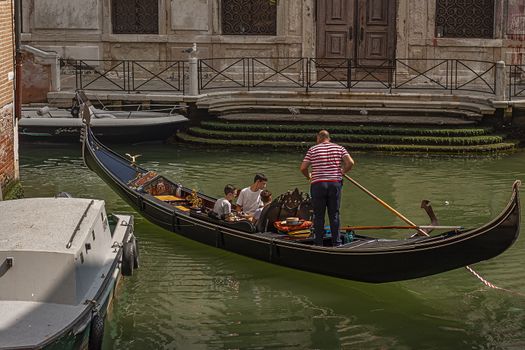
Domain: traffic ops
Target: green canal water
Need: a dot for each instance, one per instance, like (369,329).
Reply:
(190,296)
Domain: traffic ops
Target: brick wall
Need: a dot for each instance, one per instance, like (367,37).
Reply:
(7,160)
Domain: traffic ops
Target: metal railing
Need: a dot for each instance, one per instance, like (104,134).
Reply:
(294,73)
(126,75)
(315,73)
(516,81)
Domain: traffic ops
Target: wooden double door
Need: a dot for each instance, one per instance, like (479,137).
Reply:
(360,30)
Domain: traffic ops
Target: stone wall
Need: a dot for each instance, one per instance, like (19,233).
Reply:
(82,30)
(417,38)
(8,171)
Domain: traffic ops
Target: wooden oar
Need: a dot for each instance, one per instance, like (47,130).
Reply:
(384,204)
(355,228)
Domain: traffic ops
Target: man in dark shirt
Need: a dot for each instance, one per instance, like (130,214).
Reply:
(329,162)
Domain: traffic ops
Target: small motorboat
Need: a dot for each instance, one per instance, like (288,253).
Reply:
(60,261)
(366,258)
(47,124)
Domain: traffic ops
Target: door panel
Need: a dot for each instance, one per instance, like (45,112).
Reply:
(362,31)
(334,28)
(335,38)
(377,32)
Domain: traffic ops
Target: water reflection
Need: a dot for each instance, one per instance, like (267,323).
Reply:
(187,295)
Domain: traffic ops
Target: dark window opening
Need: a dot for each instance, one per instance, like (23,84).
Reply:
(249,17)
(465,18)
(135,16)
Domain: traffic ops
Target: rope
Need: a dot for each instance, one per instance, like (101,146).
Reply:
(490,285)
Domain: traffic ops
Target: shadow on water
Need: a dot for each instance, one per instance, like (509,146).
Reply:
(187,295)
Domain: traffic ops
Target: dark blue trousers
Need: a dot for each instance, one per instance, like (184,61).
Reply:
(326,195)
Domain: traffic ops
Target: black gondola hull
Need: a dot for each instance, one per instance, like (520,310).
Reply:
(386,264)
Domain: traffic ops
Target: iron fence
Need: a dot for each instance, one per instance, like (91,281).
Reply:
(316,73)
(477,76)
(224,73)
(127,75)
(516,80)
(294,73)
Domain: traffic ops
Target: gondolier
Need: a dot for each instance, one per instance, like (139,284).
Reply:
(329,162)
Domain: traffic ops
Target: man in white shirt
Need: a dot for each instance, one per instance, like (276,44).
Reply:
(223,207)
(250,197)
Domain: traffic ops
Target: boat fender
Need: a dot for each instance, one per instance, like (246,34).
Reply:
(136,252)
(96,332)
(128,259)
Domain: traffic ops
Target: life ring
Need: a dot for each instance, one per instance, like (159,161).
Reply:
(128,259)
(136,252)
(96,332)
(283,227)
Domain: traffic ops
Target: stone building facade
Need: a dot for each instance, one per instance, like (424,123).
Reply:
(370,30)
(8,148)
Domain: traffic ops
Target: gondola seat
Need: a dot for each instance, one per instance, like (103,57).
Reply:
(290,204)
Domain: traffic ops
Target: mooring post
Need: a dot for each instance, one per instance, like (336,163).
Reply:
(500,89)
(193,89)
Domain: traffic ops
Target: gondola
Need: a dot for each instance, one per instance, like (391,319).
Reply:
(177,208)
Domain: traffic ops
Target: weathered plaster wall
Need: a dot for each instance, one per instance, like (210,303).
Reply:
(70,14)
(194,15)
(417,39)
(82,29)
(36,79)
(514,14)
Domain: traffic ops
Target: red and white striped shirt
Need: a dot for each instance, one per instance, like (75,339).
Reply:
(325,159)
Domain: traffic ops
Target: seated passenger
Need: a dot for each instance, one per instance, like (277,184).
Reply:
(250,197)
(266,198)
(223,206)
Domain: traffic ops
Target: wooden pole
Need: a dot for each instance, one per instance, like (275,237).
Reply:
(384,204)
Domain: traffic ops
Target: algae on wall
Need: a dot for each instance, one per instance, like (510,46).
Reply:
(14,190)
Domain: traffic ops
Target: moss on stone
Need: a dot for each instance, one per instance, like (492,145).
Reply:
(14,191)
(382,138)
(347,129)
(394,148)
(349,138)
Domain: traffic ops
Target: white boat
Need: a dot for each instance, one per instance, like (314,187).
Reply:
(60,261)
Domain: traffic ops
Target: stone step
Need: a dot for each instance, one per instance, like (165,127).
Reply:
(236,104)
(295,110)
(347,138)
(433,96)
(346,128)
(224,102)
(352,147)
(350,119)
